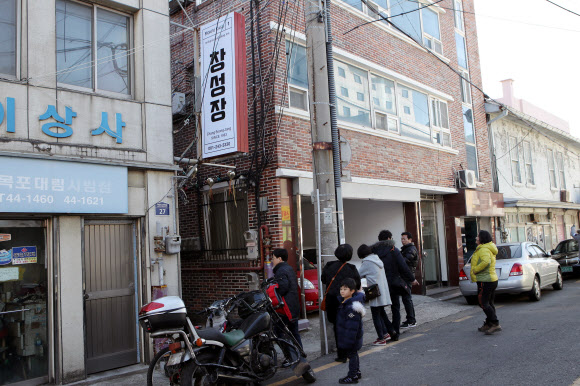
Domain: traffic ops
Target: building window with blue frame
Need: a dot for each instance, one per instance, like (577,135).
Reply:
(8,37)
(92,47)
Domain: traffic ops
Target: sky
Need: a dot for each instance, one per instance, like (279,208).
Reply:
(535,43)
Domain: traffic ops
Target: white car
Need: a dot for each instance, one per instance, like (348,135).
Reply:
(520,267)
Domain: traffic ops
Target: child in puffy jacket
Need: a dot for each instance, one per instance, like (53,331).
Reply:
(349,328)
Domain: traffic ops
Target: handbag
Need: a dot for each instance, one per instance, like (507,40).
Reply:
(323,302)
(372,292)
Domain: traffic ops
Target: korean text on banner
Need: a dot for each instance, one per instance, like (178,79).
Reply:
(223,68)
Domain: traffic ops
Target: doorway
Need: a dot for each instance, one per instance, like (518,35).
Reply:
(110,285)
(431,255)
(24,289)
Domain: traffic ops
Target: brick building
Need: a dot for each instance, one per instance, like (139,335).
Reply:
(413,125)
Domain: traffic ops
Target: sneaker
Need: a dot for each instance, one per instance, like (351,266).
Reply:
(286,364)
(339,359)
(484,327)
(408,325)
(379,342)
(358,375)
(394,337)
(348,380)
(387,337)
(492,329)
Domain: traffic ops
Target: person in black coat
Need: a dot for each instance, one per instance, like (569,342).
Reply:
(397,271)
(287,288)
(332,270)
(411,256)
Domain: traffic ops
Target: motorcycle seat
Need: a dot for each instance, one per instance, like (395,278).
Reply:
(229,338)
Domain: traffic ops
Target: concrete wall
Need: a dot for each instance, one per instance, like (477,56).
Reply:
(71,335)
(146,112)
(540,143)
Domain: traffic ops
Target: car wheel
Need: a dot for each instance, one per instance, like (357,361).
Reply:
(559,284)
(536,292)
(471,300)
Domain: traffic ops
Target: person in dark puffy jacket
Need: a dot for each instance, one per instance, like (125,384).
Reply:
(349,327)
(398,274)
(411,256)
(339,270)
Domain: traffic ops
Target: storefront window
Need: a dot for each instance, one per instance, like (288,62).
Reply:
(288,221)
(23,302)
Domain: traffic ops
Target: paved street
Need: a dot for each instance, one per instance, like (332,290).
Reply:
(539,345)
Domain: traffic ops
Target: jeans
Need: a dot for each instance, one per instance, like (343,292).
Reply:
(381,321)
(353,363)
(486,297)
(409,308)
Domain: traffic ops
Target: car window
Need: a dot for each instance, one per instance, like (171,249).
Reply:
(539,251)
(308,265)
(573,246)
(560,248)
(509,252)
(532,252)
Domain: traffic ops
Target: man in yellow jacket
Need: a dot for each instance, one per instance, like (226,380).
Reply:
(483,272)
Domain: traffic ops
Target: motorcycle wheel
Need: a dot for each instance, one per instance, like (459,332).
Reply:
(193,375)
(158,373)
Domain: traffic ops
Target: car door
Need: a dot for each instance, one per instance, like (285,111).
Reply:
(546,268)
(533,259)
(572,252)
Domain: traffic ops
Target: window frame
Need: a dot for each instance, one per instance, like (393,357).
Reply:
(17,45)
(94,64)
(561,172)
(528,162)
(207,219)
(515,159)
(295,88)
(387,13)
(552,176)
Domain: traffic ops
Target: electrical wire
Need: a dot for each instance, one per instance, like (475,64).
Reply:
(564,8)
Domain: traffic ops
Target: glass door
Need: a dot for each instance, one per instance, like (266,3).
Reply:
(432,260)
(24,347)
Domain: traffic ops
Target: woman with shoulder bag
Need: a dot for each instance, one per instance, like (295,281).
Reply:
(333,274)
(373,269)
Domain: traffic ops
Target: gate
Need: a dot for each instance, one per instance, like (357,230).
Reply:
(110,295)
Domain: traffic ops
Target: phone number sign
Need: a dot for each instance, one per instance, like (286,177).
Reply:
(46,186)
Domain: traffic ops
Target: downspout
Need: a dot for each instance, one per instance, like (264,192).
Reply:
(334,128)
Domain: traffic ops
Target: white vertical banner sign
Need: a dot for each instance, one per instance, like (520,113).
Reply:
(223,71)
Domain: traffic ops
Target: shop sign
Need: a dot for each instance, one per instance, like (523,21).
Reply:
(5,256)
(5,237)
(162,209)
(43,186)
(24,255)
(58,127)
(224,84)
(285,213)
(7,274)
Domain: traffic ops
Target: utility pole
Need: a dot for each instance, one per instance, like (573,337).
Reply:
(322,144)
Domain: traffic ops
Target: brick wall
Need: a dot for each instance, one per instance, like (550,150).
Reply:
(287,139)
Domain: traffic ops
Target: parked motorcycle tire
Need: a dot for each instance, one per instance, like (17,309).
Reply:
(193,375)
(153,374)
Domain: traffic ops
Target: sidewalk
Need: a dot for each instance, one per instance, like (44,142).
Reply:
(427,309)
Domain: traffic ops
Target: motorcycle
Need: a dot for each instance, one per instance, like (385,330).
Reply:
(244,354)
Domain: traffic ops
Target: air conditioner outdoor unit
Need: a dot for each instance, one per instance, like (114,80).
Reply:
(565,196)
(466,179)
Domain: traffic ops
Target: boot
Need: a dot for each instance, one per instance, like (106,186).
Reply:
(494,328)
(484,327)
